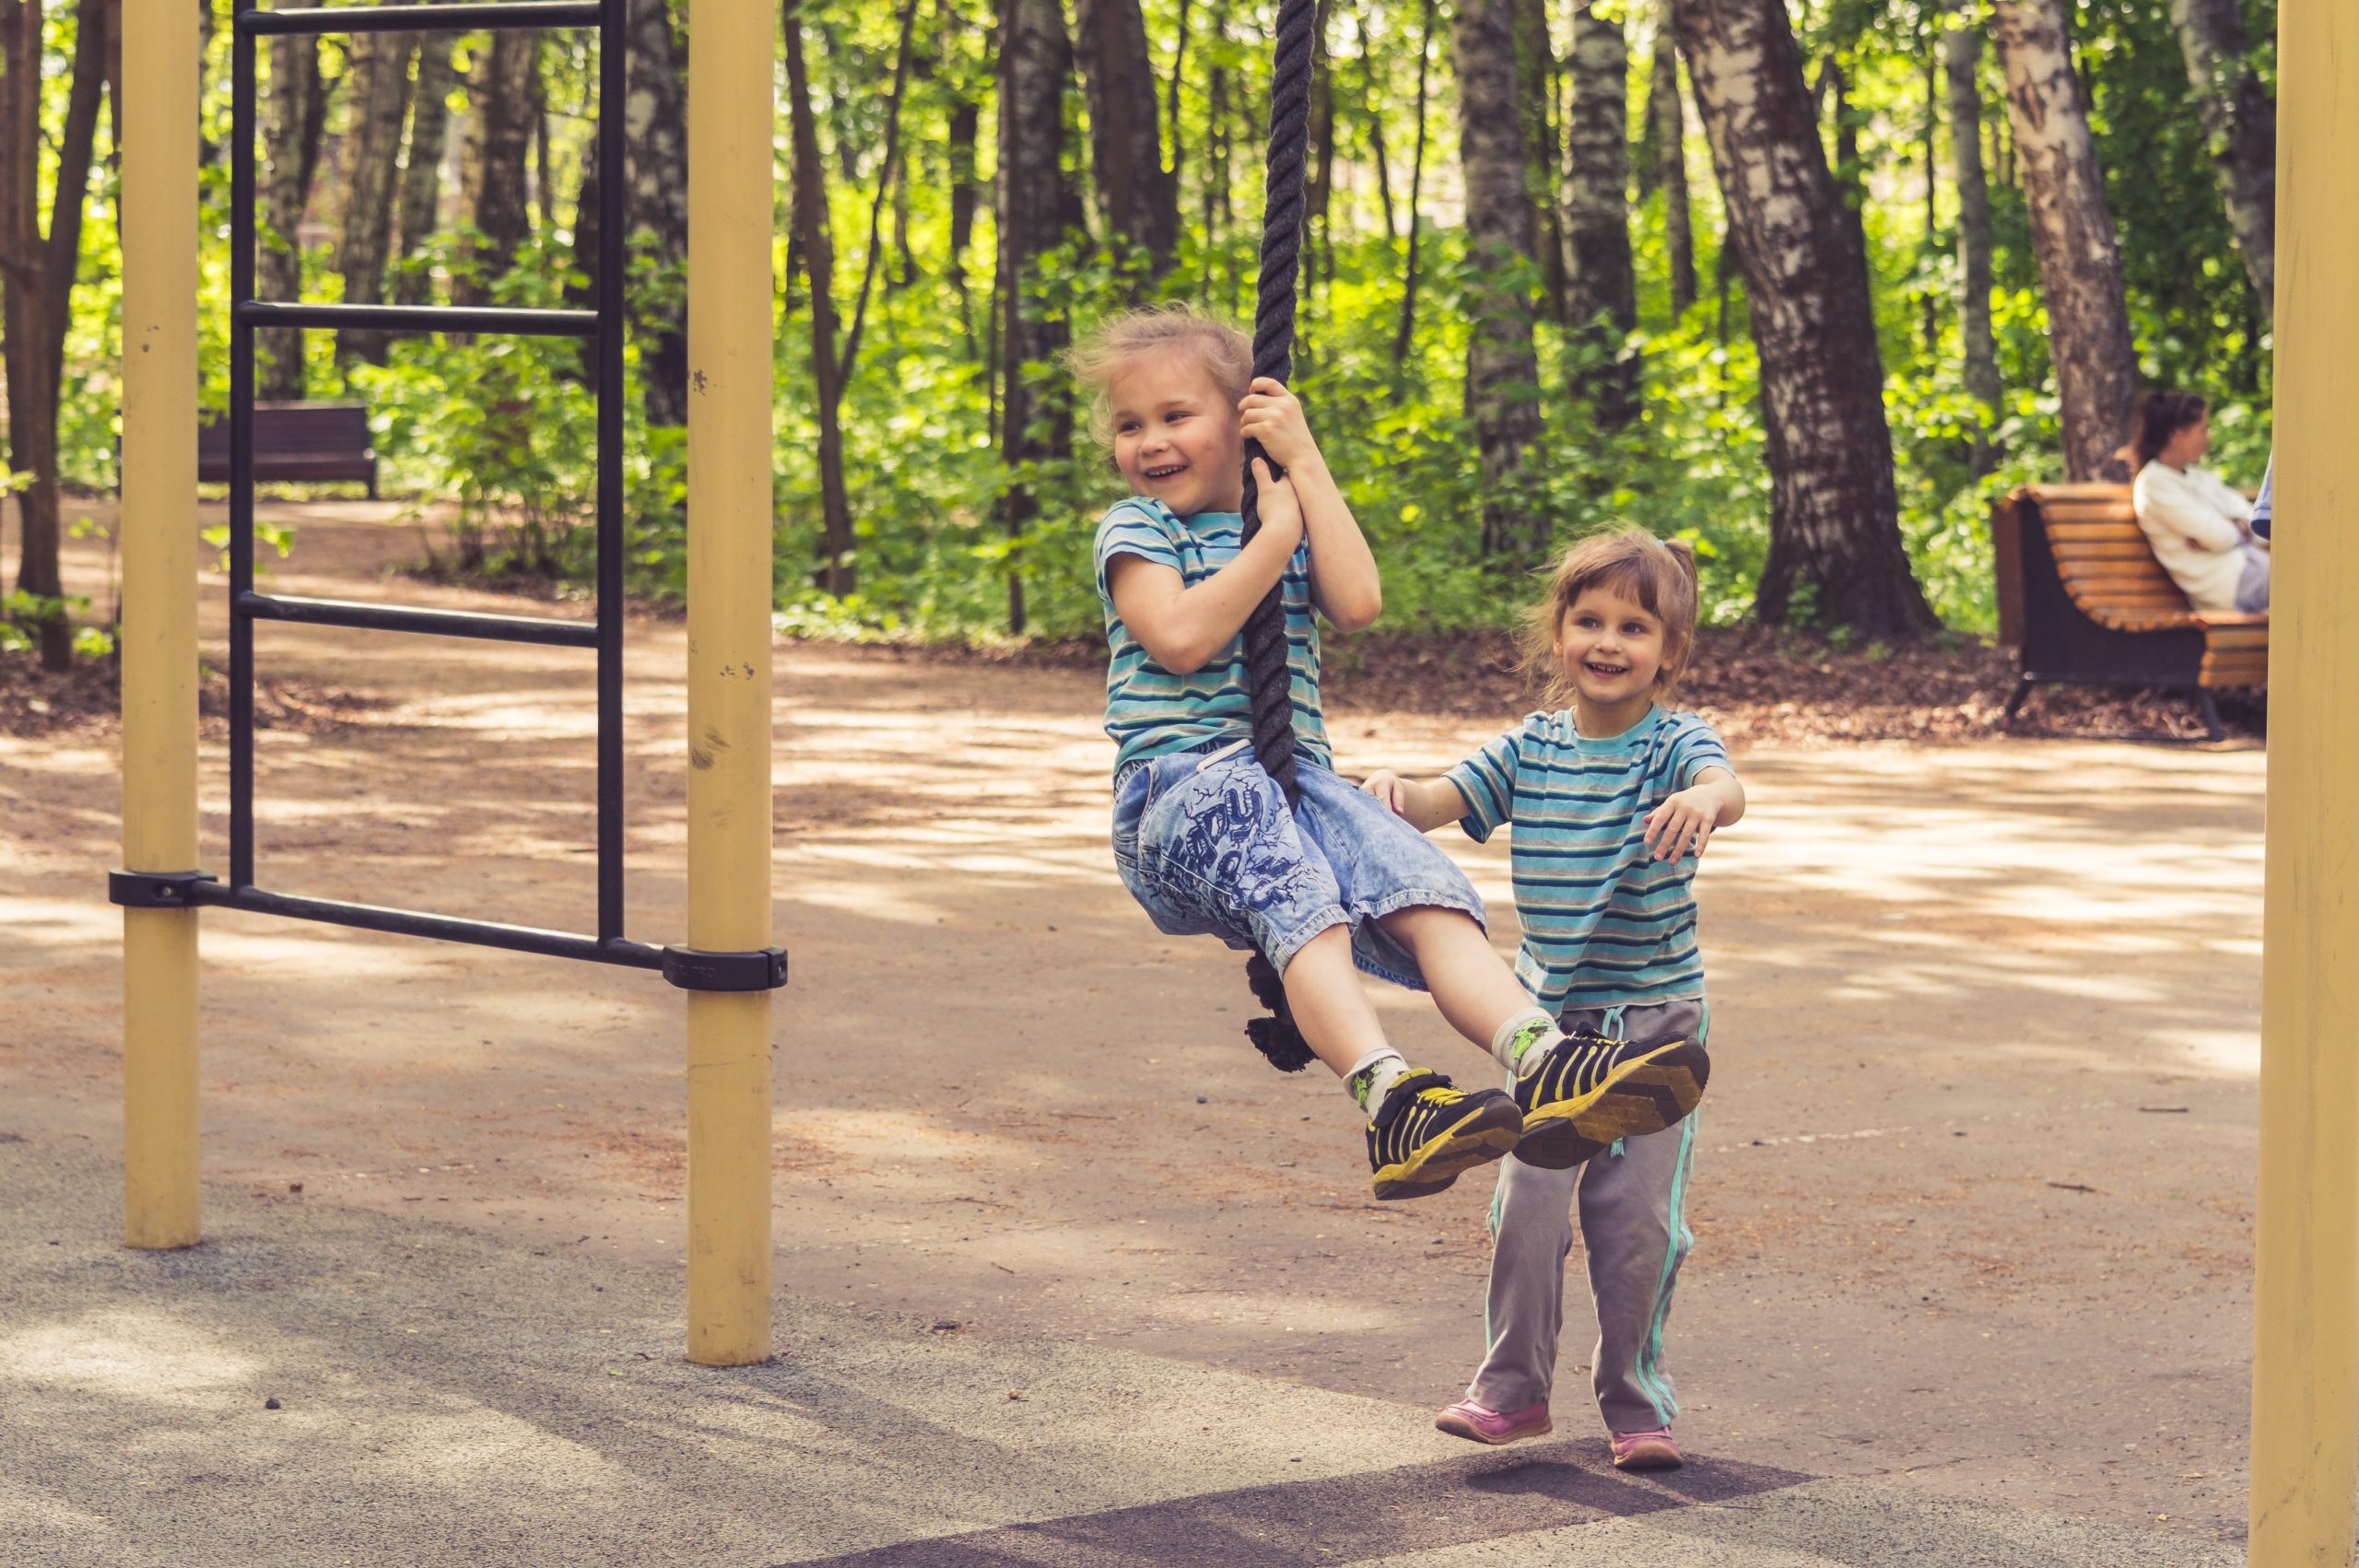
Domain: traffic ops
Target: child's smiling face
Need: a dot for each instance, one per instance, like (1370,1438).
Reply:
(1175,437)
(1611,647)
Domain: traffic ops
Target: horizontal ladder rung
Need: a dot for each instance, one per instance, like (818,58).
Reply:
(440,928)
(363,616)
(421,18)
(419,318)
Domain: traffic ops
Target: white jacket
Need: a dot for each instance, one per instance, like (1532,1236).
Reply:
(2190,519)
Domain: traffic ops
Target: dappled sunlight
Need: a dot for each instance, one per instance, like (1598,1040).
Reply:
(143,1357)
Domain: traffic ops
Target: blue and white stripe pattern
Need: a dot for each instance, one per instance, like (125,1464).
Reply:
(1151,711)
(1604,923)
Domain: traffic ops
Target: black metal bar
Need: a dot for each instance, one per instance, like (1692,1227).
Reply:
(242,459)
(363,616)
(419,318)
(420,18)
(437,927)
(613,187)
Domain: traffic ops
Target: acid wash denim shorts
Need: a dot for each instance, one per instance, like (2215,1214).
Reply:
(1205,842)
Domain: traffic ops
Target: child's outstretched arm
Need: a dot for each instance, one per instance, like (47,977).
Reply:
(1686,822)
(1344,583)
(1183,627)
(1424,804)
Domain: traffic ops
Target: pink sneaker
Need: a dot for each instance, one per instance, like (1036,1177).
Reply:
(1478,1423)
(1647,1451)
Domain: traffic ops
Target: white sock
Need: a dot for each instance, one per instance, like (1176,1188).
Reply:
(1521,1038)
(1373,1076)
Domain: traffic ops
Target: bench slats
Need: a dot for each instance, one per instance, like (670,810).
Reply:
(2108,573)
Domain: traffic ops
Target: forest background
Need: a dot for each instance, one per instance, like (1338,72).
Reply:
(1808,285)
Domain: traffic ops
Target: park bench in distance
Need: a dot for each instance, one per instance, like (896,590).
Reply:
(304,442)
(2083,602)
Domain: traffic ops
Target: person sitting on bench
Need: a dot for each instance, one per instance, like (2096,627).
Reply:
(2201,528)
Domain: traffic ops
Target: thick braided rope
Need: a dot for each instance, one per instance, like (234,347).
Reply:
(1267,671)
(1265,630)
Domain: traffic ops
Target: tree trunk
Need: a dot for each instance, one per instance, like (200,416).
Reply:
(503,103)
(1034,64)
(655,130)
(1961,57)
(421,182)
(37,277)
(2071,232)
(1502,364)
(838,567)
(1834,542)
(1401,337)
(1535,76)
(1137,200)
(1667,129)
(2240,122)
(1319,180)
(887,173)
(295,104)
(1372,112)
(379,94)
(1600,294)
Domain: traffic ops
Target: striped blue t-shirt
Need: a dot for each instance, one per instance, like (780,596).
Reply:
(1151,711)
(1604,923)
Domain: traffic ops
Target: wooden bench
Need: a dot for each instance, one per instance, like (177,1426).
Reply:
(304,442)
(2083,602)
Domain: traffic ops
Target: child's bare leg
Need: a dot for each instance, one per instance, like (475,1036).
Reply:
(1474,988)
(1329,1005)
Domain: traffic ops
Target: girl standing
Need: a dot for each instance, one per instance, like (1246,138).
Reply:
(1610,800)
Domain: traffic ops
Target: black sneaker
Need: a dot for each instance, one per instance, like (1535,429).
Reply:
(1427,1132)
(1587,1090)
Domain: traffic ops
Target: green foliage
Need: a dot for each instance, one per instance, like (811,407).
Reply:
(495,438)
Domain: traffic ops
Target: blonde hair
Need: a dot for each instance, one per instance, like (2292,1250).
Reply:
(1660,577)
(1225,354)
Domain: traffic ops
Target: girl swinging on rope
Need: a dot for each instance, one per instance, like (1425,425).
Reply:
(1203,836)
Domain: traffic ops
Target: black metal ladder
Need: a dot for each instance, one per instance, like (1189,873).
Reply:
(605,327)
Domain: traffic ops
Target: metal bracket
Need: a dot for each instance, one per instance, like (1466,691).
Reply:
(155,890)
(692,969)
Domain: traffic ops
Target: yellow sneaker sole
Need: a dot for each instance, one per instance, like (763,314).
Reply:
(1478,1140)
(1645,1094)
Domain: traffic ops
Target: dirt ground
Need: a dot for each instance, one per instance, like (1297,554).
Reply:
(1972,1200)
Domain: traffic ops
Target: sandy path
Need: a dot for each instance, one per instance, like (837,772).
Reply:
(1973,1204)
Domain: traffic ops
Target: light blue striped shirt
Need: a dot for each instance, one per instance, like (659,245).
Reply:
(1151,711)
(1604,923)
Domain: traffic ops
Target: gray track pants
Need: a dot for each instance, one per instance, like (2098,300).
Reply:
(1633,1205)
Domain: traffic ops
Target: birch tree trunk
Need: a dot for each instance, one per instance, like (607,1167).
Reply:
(2072,232)
(420,200)
(655,131)
(37,276)
(1962,58)
(2240,122)
(379,94)
(503,102)
(1600,289)
(1136,199)
(1667,130)
(1502,364)
(294,105)
(1035,200)
(1834,519)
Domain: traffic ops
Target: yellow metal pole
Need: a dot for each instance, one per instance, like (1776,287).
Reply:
(730,115)
(2305,1309)
(159,538)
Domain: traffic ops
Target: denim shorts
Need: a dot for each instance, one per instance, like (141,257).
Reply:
(1205,842)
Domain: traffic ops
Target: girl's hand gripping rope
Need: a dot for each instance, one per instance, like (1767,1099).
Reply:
(1272,415)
